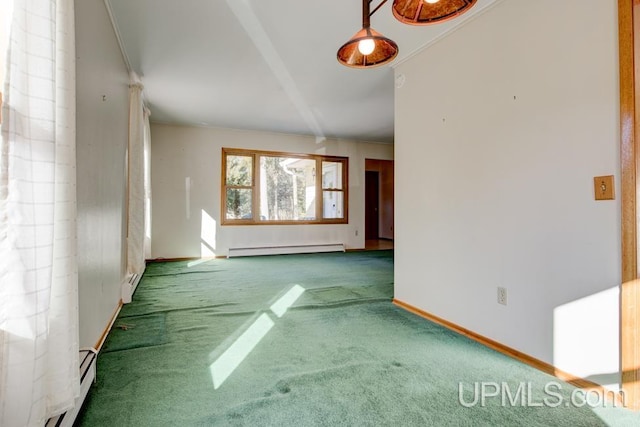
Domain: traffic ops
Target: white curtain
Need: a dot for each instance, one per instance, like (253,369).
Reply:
(136,202)
(38,268)
(147,184)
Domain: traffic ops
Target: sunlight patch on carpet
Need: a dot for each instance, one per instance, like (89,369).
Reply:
(281,306)
(197,262)
(228,361)
(239,350)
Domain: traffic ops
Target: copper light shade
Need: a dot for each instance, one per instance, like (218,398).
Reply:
(381,49)
(419,12)
(385,50)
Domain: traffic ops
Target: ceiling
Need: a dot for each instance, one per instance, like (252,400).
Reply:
(265,65)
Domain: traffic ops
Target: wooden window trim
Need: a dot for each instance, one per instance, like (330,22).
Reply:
(255,187)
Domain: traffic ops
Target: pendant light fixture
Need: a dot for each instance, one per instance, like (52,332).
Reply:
(425,12)
(367,48)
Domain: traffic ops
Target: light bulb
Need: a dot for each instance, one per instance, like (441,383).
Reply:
(366,46)
(431,1)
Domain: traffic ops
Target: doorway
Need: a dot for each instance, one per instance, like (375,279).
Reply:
(378,210)
(372,205)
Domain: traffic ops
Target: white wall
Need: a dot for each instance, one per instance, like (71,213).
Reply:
(102,132)
(183,220)
(500,129)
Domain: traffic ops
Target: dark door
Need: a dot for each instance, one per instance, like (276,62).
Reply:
(371,201)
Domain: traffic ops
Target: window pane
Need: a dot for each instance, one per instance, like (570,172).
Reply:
(332,175)
(239,203)
(332,205)
(287,189)
(239,170)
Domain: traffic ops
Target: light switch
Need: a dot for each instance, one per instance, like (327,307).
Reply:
(603,187)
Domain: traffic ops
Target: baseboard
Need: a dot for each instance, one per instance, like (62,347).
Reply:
(103,337)
(513,353)
(160,259)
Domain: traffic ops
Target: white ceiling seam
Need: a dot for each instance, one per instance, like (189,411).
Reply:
(252,25)
(116,30)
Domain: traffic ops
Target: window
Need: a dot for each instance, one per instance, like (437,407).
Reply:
(262,187)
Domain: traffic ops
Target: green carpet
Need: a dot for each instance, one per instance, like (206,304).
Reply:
(342,354)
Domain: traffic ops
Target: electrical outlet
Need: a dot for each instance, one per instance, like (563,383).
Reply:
(502,295)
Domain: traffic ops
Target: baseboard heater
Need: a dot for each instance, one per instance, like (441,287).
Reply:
(285,250)
(129,287)
(87,376)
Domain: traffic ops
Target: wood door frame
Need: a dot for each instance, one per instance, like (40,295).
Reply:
(629,51)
